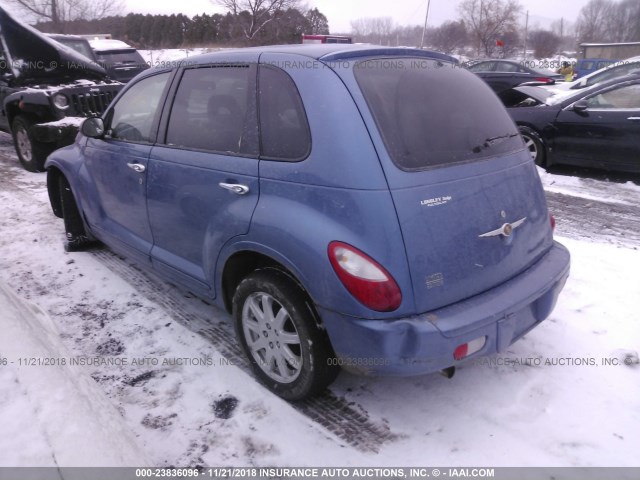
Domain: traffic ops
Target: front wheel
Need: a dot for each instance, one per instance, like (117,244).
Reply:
(277,330)
(31,153)
(534,144)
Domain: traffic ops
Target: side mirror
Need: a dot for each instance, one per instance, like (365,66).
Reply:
(580,107)
(93,127)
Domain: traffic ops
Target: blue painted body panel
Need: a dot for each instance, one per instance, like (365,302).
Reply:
(455,285)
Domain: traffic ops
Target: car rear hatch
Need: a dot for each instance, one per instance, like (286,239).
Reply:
(468,197)
(122,64)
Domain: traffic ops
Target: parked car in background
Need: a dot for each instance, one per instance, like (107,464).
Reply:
(324,224)
(503,75)
(596,127)
(586,66)
(77,43)
(121,61)
(616,70)
(46,89)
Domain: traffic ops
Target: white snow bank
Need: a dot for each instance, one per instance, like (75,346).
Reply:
(66,122)
(52,415)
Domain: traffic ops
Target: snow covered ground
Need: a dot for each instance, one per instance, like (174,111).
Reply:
(568,394)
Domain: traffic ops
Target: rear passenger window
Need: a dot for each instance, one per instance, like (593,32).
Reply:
(214,109)
(283,122)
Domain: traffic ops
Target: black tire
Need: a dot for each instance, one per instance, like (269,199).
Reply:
(77,238)
(291,354)
(534,143)
(31,153)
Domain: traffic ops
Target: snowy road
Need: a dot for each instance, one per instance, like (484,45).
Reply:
(577,412)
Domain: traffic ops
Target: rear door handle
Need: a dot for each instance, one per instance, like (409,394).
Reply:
(235,188)
(137,167)
(634,119)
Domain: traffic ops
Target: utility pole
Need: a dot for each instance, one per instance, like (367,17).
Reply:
(526,34)
(479,31)
(424,30)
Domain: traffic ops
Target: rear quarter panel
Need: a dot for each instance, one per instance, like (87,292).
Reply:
(338,193)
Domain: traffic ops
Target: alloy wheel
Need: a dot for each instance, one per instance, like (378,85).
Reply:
(272,337)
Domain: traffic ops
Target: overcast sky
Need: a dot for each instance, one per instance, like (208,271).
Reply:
(404,12)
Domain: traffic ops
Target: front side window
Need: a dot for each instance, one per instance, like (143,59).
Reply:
(134,116)
(214,110)
(431,114)
(283,122)
(627,97)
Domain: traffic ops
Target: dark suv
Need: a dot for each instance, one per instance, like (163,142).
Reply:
(121,61)
(46,89)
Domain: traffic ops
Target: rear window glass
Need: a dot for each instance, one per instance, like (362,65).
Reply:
(283,123)
(121,56)
(431,114)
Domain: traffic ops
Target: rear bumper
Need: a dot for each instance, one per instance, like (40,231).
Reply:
(425,343)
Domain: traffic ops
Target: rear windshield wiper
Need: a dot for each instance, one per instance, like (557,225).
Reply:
(489,142)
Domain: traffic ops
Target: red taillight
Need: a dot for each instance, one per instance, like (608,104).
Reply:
(364,278)
(545,80)
(552,219)
(460,352)
(470,348)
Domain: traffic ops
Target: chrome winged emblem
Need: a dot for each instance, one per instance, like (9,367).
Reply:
(505,230)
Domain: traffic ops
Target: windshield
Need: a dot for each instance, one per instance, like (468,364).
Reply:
(544,71)
(431,114)
(618,70)
(80,46)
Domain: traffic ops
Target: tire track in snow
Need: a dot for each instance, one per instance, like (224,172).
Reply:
(344,419)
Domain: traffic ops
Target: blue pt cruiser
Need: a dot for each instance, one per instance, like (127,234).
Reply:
(357,206)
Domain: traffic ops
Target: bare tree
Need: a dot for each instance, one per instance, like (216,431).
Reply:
(489,21)
(544,43)
(373,29)
(59,12)
(595,21)
(449,37)
(258,13)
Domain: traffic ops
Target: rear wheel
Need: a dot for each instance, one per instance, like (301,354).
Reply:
(534,144)
(31,153)
(277,330)
(77,238)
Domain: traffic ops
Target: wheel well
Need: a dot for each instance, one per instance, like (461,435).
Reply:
(12,111)
(530,127)
(53,188)
(241,264)
(37,115)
